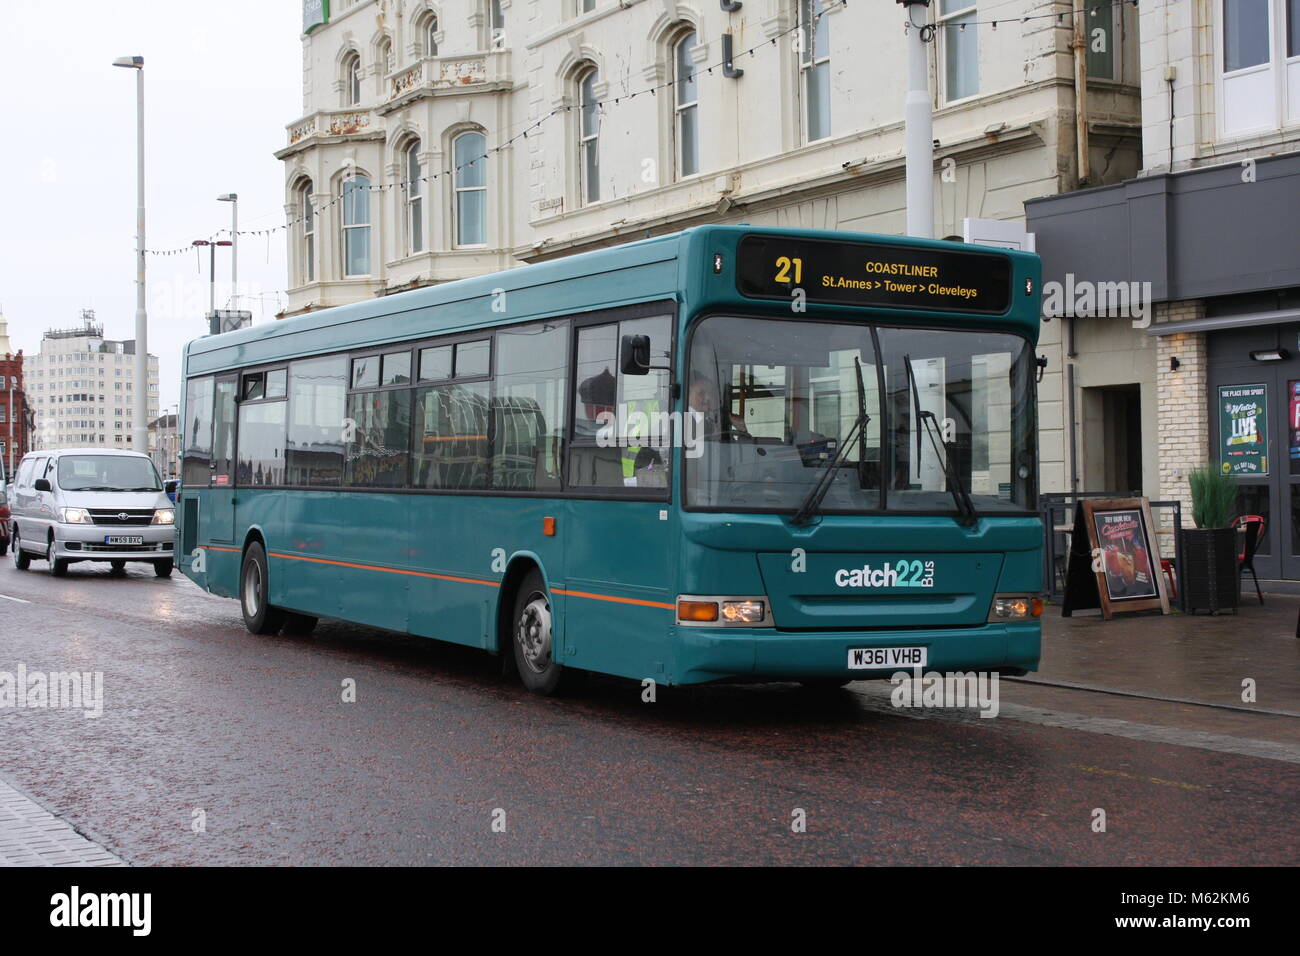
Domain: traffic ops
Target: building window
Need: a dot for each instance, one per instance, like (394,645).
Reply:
(589,136)
(1260,65)
(961,68)
(686,116)
(414,199)
(469,151)
(586,6)
(815,69)
(386,56)
(308,270)
(356,226)
(496,26)
(352,80)
(429,35)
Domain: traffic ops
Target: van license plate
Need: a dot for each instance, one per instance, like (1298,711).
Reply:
(868,658)
(124,539)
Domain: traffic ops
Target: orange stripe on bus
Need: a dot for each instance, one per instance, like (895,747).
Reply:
(616,600)
(213,547)
(372,567)
(452,577)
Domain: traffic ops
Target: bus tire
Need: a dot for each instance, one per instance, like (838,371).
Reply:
(254,593)
(532,638)
(22,560)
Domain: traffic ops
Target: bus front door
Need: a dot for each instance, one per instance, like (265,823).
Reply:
(221,493)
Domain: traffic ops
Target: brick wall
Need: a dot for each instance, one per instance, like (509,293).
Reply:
(1182,411)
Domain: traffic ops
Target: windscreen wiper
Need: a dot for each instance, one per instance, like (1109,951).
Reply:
(967,515)
(864,418)
(818,491)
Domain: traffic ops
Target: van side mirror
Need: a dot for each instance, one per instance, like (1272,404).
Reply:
(634,355)
(42,484)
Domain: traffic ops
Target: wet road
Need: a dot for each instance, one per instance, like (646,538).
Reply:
(199,715)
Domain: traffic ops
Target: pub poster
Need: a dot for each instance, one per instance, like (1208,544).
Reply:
(1293,418)
(1125,560)
(1243,429)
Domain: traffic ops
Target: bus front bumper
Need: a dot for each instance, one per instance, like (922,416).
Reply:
(705,654)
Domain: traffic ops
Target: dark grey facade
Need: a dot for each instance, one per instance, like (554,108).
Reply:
(1196,234)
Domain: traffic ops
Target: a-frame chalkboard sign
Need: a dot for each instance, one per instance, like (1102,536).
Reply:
(1114,559)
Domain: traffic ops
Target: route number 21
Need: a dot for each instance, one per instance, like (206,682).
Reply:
(783,267)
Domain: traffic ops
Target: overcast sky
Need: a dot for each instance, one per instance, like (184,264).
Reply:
(222,80)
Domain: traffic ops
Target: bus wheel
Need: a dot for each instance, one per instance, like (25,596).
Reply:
(532,638)
(259,616)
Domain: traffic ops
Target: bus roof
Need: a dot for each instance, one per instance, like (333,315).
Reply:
(640,271)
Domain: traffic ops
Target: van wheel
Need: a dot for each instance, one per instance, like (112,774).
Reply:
(254,590)
(58,567)
(4,546)
(163,568)
(117,566)
(532,636)
(22,560)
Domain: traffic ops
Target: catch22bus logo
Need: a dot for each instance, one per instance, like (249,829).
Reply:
(892,574)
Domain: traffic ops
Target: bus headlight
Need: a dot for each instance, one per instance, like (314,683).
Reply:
(743,612)
(722,611)
(1015,607)
(76,516)
(164,516)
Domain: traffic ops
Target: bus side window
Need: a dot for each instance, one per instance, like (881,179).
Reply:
(528,404)
(621,431)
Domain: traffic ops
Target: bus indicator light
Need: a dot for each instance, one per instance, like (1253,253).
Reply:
(548,527)
(697,611)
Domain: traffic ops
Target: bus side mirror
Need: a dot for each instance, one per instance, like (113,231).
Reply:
(42,484)
(634,355)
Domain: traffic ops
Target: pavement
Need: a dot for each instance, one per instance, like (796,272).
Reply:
(1142,717)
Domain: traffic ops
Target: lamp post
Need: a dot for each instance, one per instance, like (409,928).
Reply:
(213,326)
(918,123)
(233,199)
(140,404)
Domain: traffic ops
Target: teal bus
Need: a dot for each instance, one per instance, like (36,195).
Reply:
(726,453)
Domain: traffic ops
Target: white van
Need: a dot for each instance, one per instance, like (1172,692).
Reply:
(90,504)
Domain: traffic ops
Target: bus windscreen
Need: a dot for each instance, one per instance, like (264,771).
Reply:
(874,274)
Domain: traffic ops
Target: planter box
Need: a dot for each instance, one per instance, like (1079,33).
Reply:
(1207,574)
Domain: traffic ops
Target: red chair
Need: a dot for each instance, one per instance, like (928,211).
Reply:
(1252,528)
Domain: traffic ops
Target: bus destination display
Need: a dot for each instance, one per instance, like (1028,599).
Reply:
(873,274)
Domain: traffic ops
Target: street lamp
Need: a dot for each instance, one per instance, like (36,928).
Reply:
(212,278)
(233,199)
(140,406)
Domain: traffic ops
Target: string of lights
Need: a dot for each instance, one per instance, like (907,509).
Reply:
(1060,16)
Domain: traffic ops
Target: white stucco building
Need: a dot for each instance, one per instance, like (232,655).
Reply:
(637,125)
(80,385)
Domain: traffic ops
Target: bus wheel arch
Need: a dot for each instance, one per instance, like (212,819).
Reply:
(516,571)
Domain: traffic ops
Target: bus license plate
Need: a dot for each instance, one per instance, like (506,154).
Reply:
(124,539)
(868,658)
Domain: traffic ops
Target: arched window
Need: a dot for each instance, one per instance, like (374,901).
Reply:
(815,68)
(414,191)
(496,26)
(307,265)
(386,56)
(356,226)
(686,117)
(429,35)
(588,136)
(352,80)
(469,151)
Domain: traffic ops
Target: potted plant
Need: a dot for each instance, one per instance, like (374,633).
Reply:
(1208,570)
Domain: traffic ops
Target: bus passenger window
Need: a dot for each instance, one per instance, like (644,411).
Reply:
(528,405)
(622,435)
